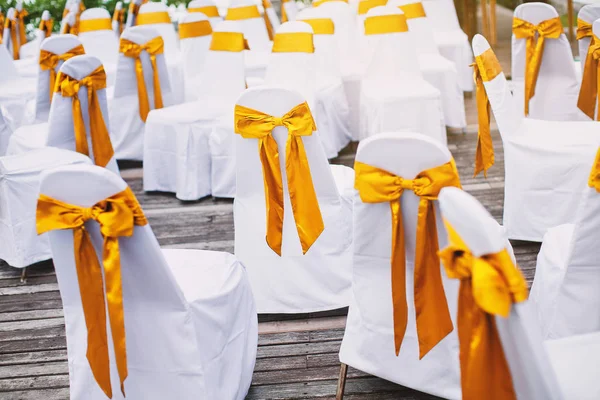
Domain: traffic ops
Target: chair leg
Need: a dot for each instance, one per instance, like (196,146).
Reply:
(24,275)
(341,382)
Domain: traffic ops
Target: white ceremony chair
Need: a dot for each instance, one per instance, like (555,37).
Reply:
(394,95)
(14,22)
(206,7)
(555,369)
(545,168)
(132,12)
(19,189)
(436,69)
(296,69)
(585,18)
(99,39)
(568,271)
(293,282)
(118,19)
(190,323)
(188,148)
(289,10)
(128,103)
(557,87)
(31,49)
(452,42)
(195,34)
(369,340)
(271,14)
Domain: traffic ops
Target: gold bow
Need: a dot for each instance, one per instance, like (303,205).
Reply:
(594,179)
(284,16)
(117,216)
(549,29)
(489,285)
(133,50)
(485,68)
(267,4)
(588,91)
(119,18)
(47,27)
(49,62)
(584,29)
(67,86)
(376,185)
(253,124)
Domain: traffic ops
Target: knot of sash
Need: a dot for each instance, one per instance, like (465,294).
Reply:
(49,62)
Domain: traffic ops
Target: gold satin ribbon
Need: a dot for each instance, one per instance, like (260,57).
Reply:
(549,29)
(284,16)
(228,41)
(485,68)
(46,27)
(489,285)
(2,24)
(594,179)
(209,11)
(119,18)
(321,26)
(293,42)
(382,24)
(267,4)
(584,29)
(16,27)
(133,50)
(413,10)
(117,216)
(590,82)
(242,13)
(67,86)
(317,3)
(159,17)
(253,124)
(91,25)
(376,185)
(194,29)
(49,62)
(366,5)
(134,9)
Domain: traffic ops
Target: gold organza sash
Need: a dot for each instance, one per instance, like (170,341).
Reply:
(489,285)
(242,13)
(253,124)
(321,26)
(376,185)
(584,29)
(536,36)
(588,92)
(209,11)
(485,68)
(133,50)
(228,41)
(293,42)
(117,216)
(49,62)
(413,10)
(158,17)
(91,25)
(382,24)
(194,29)
(67,86)
(46,27)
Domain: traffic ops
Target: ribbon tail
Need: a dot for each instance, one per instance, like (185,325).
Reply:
(158,100)
(273,181)
(431,308)
(588,92)
(103,150)
(81,144)
(305,205)
(142,92)
(484,156)
(114,295)
(398,269)
(52,82)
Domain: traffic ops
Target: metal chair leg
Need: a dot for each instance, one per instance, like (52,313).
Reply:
(24,275)
(341,382)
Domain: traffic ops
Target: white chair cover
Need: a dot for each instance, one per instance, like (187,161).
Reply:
(588,13)
(115,24)
(31,49)
(103,44)
(127,127)
(394,96)
(557,88)
(214,21)
(19,189)
(326,97)
(567,274)
(545,168)
(368,343)
(6,37)
(291,9)
(190,319)
(452,42)
(177,152)
(254,29)
(292,283)
(273,17)
(130,21)
(193,54)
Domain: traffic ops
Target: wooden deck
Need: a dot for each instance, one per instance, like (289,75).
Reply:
(297,355)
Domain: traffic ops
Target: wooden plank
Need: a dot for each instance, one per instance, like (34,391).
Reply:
(34,357)
(34,382)
(302,375)
(45,394)
(298,349)
(45,368)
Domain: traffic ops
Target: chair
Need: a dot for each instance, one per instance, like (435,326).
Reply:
(99,39)
(189,322)
(557,86)
(545,168)
(437,70)
(188,148)
(513,347)
(588,93)
(294,68)
(132,12)
(451,41)
(206,7)
(15,24)
(19,189)
(585,18)
(31,49)
(248,16)
(118,19)
(271,15)
(129,107)
(394,95)
(294,276)
(289,10)
(195,34)
(369,340)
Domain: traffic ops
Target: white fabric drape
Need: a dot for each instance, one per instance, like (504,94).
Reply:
(103,44)
(194,51)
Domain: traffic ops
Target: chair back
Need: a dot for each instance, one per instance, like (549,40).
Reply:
(206,7)
(293,70)
(291,10)
(59,45)
(155,310)
(7,66)
(132,13)
(156,16)
(532,374)
(588,14)
(97,36)
(194,49)
(419,25)
(442,14)
(346,32)
(273,17)
(507,110)
(255,30)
